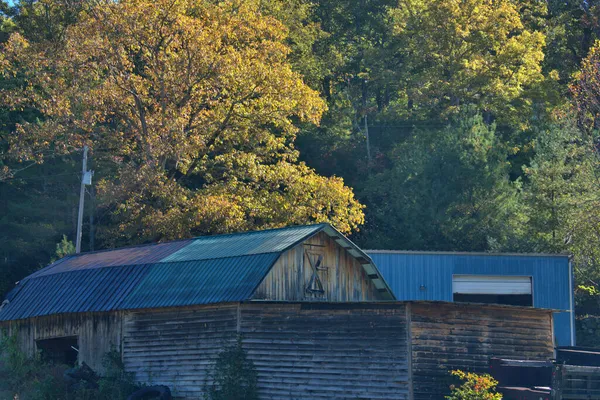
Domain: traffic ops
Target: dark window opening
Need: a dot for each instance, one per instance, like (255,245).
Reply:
(508,299)
(59,350)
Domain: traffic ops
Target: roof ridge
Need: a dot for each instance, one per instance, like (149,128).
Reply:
(31,277)
(190,239)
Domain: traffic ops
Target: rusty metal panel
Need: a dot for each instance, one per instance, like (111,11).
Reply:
(448,336)
(147,254)
(324,351)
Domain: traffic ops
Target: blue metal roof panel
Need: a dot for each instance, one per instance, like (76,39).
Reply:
(139,286)
(76,291)
(203,270)
(258,242)
(200,282)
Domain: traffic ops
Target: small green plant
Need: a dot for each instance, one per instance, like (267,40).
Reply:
(34,379)
(474,387)
(115,383)
(19,370)
(234,376)
(64,248)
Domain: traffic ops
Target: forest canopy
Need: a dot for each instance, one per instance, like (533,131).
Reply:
(459,125)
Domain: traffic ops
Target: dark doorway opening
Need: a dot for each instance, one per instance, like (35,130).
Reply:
(61,350)
(508,299)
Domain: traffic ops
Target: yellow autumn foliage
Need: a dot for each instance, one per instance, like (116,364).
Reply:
(194,106)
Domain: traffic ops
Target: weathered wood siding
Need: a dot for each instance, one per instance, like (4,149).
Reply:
(98,333)
(327,351)
(177,347)
(342,276)
(465,336)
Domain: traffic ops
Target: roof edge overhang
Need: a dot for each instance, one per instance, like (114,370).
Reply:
(364,259)
(466,253)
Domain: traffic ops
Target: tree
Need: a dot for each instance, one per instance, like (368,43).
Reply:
(466,52)
(586,90)
(190,105)
(562,196)
(447,189)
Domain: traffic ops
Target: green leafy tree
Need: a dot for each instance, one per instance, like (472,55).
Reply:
(467,52)
(447,189)
(561,196)
(192,106)
(64,247)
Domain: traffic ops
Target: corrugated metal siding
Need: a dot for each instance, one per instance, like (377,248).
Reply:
(200,282)
(423,276)
(465,336)
(177,348)
(98,333)
(268,241)
(406,273)
(319,351)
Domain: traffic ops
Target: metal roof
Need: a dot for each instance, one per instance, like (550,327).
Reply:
(466,253)
(210,269)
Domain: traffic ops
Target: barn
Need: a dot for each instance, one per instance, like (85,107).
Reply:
(537,280)
(310,308)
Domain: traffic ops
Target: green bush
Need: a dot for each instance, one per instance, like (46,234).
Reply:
(31,378)
(234,376)
(19,372)
(474,387)
(115,383)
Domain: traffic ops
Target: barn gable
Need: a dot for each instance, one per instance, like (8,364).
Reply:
(321,269)
(204,270)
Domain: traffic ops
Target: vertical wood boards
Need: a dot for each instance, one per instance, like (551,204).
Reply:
(98,333)
(341,275)
(178,347)
(449,336)
(307,350)
(327,351)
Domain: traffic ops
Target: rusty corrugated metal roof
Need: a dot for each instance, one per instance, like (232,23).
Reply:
(202,270)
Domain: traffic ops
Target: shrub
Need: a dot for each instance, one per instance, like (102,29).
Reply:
(34,379)
(234,376)
(19,371)
(115,383)
(474,387)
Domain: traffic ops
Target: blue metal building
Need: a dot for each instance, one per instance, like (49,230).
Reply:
(439,275)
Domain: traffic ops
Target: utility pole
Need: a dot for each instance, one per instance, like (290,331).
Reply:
(86,179)
(92,207)
(368,144)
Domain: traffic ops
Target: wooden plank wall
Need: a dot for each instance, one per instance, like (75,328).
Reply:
(342,276)
(177,347)
(324,351)
(465,336)
(98,333)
